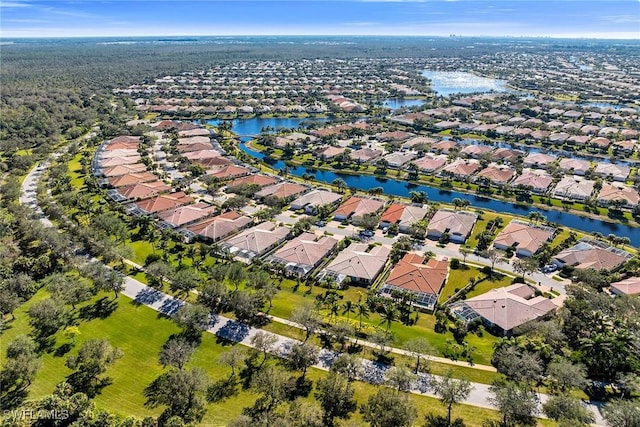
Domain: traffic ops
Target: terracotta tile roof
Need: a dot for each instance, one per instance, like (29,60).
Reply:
(585,255)
(452,222)
(109,154)
(412,275)
(124,139)
(228,171)
(393,213)
(611,192)
(629,286)
(121,146)
(124,169)
(213,161)
(187,148)
(187,214)
(261,180)
(358,206)
(164,202)
(117,161)
(220,226)
(283,190)
(305,249)
(430,163)
(201,154)
(523,236)
(196,140)
(130,179)
(316,198)
(257,239)
(143,190)
(355,261)
(498,174)
(534,178)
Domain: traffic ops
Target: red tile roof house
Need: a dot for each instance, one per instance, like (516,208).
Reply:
(359,262)
(228,172)
(527,239)
(535,180)
(431,162)
(193,132)
(590,254)
(261,180)
(124,169)
(505,308)
(188,214)
(399,158)
(311,201)
(457,224)
(575,166)
(130,179)
(255,241)
(221,226)
(497,174)
(506,154)
(196,140)
(475,151)
(283,190)
(142,190)
(124,139)
(110,154)
(461,168)
(418,140)
(628,286)
(213,162)
(444,147)
(164,202)
(425,281)
(329,152)
(121,146)
(118,161)
(615,172)
(572,188)
(302,254)
(538,160)
(187,148)
(610,192)
(403,215)
(356,207)
(202,154)
(365,154)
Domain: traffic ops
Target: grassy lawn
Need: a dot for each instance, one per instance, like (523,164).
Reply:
(75,172)
(481,224)
(140,332)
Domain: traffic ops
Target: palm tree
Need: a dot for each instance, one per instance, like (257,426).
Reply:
(348,307)
(389,314)
(362,310)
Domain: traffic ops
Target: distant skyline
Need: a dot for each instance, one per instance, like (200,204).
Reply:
(617,19)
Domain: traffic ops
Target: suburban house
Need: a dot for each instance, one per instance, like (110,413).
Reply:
(475,151)
(399,158)
(164,202)
(613,171)
(525,238)
(220,226)
(574,166)
(535,180)
(538,160)
(403,215)
(457,224)
(431,162)
(359,262)
(444,147)
(213,162)
(329,152)
(356,207)
(284,190)
(612,192)
(138,191)
(628,286)
(257,179)
(572,188)
(201,154)
(130,179)
(461,168)
(117,161)
(228,172)
(592,254)
(187,214)
(122,170)
(411,274)
(365,154)
(311,201)
(497,174)
(505,308)
(302,254)
(127,152)
(255,241)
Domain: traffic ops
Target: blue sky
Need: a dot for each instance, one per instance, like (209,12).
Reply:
(553,18)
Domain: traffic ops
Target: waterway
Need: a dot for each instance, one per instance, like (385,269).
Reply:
(254,126)
(446,83)
(393,187)
(398,103)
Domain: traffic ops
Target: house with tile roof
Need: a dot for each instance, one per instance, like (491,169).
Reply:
(412,275)
(525,238)
(225,172)
(213,162)
(123,139)
(220,226)
(505,308)
(399,158)
(628,286)
(139,191)
(475,151)
(610,193)
(592,254)
(461,168)
(198,146)
(431,162)
(201,154)
(403,215)
(329,152)
(302,254)
(255,241)
(457,224)
(184,215)
(573,188)
(496,174)
(164,202)
(284,190)
(574,166)
(356,207)
(359,262)
(257,179)
(123,170)
(535,180)
(538,160)
(123,152)
(617,172)
(117,161)
(130,179)
(365,154)
(312,200)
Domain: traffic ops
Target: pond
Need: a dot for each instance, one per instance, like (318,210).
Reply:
(247,128)
(393,187)
(398,103)
(447,83)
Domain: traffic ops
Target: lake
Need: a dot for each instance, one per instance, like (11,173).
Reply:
(446,83)
(398,103)
(254,126)
(393,187)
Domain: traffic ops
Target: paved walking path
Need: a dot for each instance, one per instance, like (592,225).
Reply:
(238,332)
